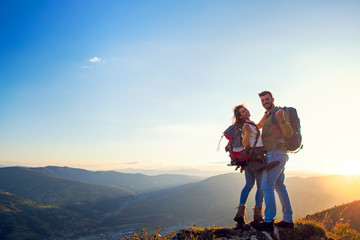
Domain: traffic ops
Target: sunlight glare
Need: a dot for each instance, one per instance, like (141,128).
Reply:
(350,166)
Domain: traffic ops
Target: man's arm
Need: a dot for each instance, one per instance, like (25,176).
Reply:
(284,124)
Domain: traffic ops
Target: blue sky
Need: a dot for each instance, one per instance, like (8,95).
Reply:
(152,84)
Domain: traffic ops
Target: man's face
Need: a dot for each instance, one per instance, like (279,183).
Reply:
(267,101)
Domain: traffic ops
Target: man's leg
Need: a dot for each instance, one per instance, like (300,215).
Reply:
(269,180)
(284,198)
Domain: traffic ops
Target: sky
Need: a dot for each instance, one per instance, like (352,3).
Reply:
(151,85)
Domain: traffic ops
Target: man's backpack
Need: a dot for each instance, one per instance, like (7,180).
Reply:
(295,141)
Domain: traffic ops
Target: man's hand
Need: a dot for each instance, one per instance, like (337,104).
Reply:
(281,116)
(284,124)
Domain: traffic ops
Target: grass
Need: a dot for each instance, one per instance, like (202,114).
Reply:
(304,230)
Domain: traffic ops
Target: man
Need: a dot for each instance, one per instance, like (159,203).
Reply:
(273,179)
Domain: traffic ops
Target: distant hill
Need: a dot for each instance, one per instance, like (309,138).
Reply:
(309,195)
(38,205)
(138,183)
(51,190)
(348,213)
(35,205)
(181,171)
(11,203)
(47,205)
(22,218)
(213,201)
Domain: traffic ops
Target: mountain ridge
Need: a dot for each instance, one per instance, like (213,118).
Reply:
(52,190)
(84,208)
(138,183)
(345,213)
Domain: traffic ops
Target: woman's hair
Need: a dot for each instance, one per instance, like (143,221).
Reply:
(239,122)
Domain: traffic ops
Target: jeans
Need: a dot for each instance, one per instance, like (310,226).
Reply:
(250,177)
(273,179)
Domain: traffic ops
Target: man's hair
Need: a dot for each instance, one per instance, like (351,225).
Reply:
(263,93)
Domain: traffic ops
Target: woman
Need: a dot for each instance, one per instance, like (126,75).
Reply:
(250,130)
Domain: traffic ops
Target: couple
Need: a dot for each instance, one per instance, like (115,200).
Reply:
(267,180)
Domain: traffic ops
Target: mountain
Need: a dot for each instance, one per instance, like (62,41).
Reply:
(13,204)
(22,218)
(51,190)
(311,227)
(181,171)
(52,206)
(138,183)
(36,205)
(348,213)
(213,201)
(317,193)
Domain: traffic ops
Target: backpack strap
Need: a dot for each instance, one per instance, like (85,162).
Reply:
(218,147)
(257,136)
(273,117)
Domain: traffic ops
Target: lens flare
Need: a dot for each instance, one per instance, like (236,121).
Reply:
(350,166)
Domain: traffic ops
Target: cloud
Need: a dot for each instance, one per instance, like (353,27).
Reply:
(95,60)
(132,163)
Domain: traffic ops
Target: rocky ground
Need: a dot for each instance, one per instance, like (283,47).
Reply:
(301,231)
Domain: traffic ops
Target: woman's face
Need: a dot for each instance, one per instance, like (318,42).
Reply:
(244,113)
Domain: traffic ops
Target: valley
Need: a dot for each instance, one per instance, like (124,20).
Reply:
(61,202)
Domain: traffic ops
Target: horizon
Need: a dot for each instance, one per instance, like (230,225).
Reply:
(152,85)
(73,203)
(192,172)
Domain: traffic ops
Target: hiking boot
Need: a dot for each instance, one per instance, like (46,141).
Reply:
(258,216)
(239,226)
(263,226)
(284,224)
(240,216)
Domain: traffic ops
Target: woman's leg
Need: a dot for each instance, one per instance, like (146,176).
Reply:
(249,183)
(259,196)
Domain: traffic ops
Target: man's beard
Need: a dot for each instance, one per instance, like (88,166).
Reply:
(268,106)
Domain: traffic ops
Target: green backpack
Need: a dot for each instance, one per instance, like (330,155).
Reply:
(294,143)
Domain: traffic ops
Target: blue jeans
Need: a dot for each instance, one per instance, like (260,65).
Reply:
(274,180)
(250,177)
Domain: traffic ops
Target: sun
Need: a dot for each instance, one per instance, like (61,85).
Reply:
(350,167)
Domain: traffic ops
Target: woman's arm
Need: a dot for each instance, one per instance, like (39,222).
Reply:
(261,123)
(246,135)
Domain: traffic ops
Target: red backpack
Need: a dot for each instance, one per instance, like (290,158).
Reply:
(239,156)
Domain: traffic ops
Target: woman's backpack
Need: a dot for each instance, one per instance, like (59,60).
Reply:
(252,157)
(238,155)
